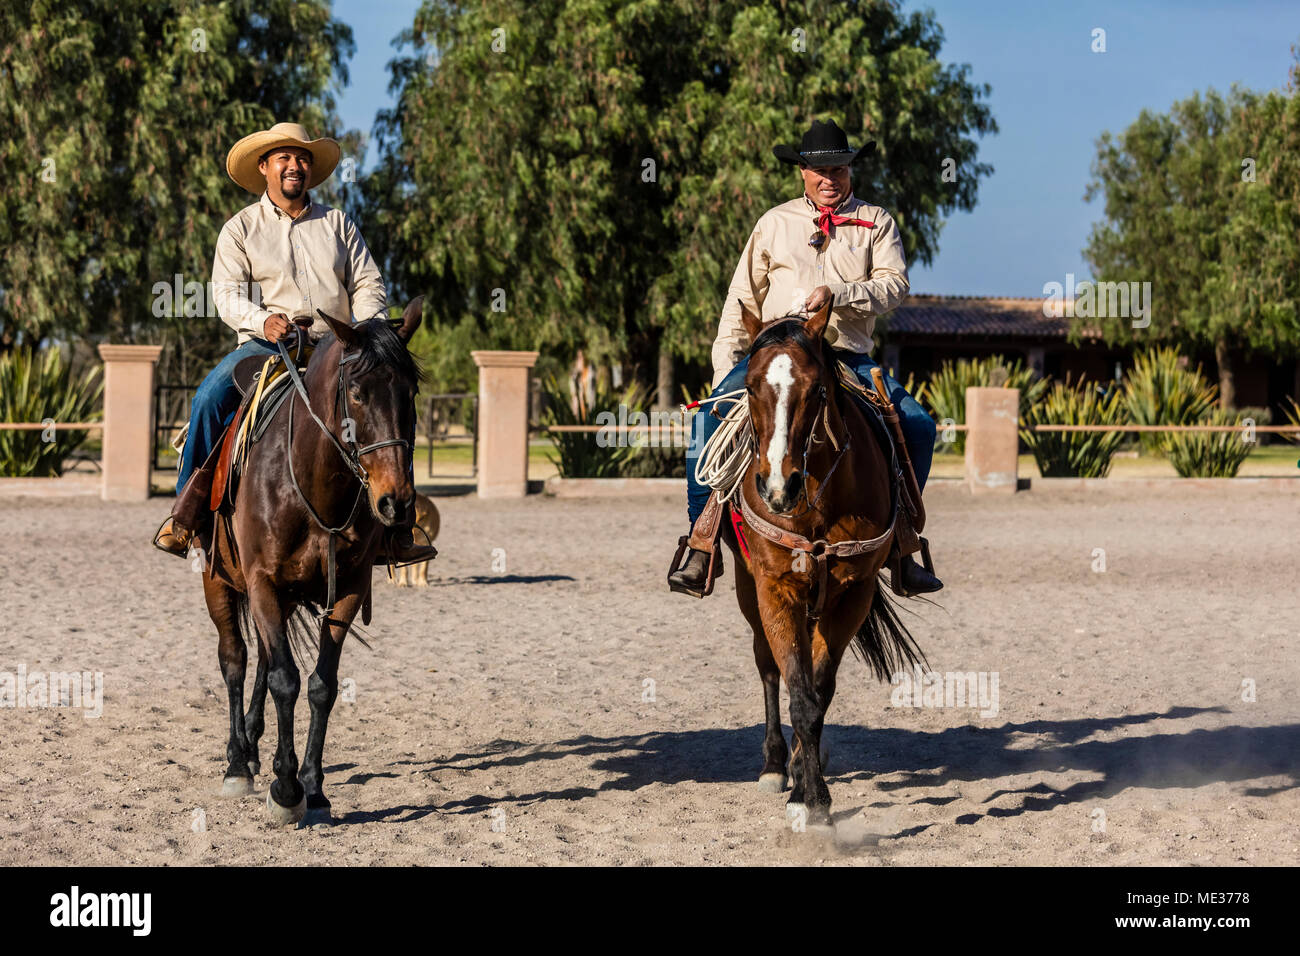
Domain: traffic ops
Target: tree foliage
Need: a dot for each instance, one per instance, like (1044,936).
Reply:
(593,167)
(1202,203)
(115,120)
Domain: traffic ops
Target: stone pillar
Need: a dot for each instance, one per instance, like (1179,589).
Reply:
(503,422)
(128,420)
(992,439)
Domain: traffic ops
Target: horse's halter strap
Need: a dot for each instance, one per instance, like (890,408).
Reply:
(823,416)
(351,457)
(820,550)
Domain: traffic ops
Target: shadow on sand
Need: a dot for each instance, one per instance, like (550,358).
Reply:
(920,759)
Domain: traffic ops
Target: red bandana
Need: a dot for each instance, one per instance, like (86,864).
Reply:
(827,218)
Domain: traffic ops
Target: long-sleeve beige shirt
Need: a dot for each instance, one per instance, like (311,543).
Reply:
(863,267)
(317,261)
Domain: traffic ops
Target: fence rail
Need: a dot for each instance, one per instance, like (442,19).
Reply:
(962,428)
(41,426)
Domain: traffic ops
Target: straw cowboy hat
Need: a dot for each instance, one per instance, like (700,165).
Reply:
(242,160)
(825,144)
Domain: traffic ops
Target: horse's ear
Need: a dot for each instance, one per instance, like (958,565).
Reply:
(816,324)
(411,319)
(342,330)
(753,324)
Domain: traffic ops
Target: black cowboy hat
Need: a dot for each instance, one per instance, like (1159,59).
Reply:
(825,144)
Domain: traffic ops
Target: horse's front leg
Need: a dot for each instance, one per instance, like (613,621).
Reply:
(222,604)
(772,777)
(785,622)
(830,639)
(285,798)
(322,689)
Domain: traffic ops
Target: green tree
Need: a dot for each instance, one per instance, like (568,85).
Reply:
(1200,202)
(593,167)
(115,119)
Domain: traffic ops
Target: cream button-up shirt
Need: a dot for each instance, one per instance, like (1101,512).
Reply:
(317,261)
(863,267)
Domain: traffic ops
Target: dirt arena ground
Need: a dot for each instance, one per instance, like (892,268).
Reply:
(506,716)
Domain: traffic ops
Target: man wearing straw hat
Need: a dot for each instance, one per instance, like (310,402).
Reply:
(302,256)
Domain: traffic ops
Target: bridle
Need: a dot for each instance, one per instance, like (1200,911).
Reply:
(819,550)
(822,417)
(351,454)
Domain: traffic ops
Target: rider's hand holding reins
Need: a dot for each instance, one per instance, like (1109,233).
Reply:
(276,327)
(818,298)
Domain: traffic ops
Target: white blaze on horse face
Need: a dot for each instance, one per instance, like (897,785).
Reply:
(781,378)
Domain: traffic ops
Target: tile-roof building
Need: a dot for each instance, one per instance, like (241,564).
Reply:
(927,330)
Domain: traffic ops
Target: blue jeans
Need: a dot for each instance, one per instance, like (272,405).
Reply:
(918,426)
(214,405)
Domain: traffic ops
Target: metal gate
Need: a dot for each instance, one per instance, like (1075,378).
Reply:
(451,418)
(171,410)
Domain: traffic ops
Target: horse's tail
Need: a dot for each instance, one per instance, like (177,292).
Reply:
(883,643)
(304,627)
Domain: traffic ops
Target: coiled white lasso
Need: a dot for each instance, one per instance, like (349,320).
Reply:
(725,456)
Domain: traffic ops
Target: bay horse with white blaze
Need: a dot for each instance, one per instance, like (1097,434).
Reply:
(291,562)
(818,505)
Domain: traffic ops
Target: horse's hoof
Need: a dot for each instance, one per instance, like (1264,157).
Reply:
(316,818)
(772,782)
(236,786)
(283,816)
(254,767)
(796,811)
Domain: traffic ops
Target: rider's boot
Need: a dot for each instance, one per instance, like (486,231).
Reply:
(173,538)
(694,576)
(399,547)
(915,579)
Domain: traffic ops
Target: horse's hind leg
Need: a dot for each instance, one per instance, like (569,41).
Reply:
(322,689)
(284,798)
(222,608)
(255,720)
(772,777)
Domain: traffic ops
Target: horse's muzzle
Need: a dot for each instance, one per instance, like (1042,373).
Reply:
(780,496)
(392,510)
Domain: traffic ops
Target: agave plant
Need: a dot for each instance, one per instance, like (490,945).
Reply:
(1292,418)
(1161,390)
(585,454)
(945,393)
(40,388)
(1074,454)
(1210,454)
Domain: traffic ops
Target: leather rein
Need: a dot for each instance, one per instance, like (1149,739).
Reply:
(819,550)
(351,455)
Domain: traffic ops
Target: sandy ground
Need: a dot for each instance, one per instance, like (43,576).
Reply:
(505,716)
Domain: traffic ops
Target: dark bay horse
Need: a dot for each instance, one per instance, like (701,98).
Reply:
(818,503)
(328,475)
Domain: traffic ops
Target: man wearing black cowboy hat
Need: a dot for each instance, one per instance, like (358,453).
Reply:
(826,245)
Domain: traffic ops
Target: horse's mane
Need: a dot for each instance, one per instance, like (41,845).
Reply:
(787,329)
(380,345)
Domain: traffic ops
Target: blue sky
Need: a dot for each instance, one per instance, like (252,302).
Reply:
(1052,97)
